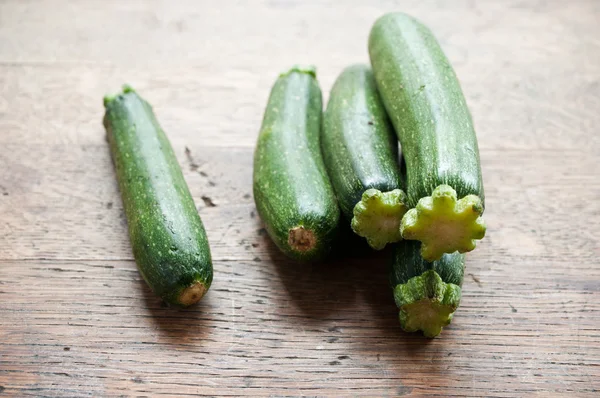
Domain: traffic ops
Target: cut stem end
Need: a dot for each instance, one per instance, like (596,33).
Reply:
(377,217)
(444,224)
(426,303)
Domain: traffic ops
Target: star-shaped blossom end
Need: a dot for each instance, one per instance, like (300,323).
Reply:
(426,303)
(378,215)
(444,224)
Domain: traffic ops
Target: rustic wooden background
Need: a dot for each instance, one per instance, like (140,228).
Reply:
(77,320)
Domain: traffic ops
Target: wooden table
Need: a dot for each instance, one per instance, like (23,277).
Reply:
(77,320)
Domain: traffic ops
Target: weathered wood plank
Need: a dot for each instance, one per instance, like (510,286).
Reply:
(69,205)
(274,327)
(77,320)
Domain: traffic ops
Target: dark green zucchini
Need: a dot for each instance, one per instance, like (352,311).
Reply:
(168,239)
(426,105)
(292,191)
(427,294)
(360,151)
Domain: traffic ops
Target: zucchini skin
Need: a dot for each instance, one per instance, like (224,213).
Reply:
(359,146)
(426,105)
(168,238)
(292,191)
(408,263)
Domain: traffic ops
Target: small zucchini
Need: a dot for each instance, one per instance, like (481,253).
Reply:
(426,105)
(427,294)
(360,151)
(168,239)
(292,191)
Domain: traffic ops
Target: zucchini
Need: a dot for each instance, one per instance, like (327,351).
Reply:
(292,191)
(360,151)
(426,105)
(426,294)
(168,239)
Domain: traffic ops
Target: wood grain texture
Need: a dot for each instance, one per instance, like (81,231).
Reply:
(77,320)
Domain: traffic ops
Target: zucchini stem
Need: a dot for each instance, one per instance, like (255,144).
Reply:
(110,98)
(426,303)
(308,69)
(377,217)
(444,224)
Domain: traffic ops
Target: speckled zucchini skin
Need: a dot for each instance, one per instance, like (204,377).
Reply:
(408,263)
(360,148)
(291,186)
(167,236)
(426,105)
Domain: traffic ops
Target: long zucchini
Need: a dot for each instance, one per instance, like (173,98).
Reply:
(292,191)
(426,105)
(360,151)
(426,294)
(168,239)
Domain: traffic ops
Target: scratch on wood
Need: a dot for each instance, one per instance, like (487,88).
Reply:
(193,165)
(208,202)
(475,279)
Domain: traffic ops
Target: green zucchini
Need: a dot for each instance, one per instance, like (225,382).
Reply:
(168,239)
(427,294)
(292,191)
(360,151)
(428,110)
